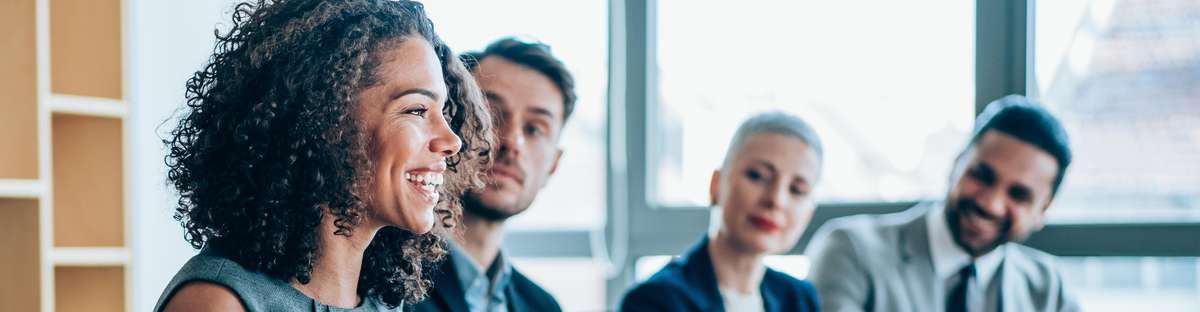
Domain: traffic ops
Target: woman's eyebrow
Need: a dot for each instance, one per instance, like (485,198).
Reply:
(421,91)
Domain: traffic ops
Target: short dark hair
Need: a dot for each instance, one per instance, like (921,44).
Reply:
(535,55)
(1028,121)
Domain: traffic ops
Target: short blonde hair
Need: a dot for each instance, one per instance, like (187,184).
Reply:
(774,122)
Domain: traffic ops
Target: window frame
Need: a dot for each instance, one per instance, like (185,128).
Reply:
(636,226)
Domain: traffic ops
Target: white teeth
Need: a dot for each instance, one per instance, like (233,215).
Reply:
(430,179)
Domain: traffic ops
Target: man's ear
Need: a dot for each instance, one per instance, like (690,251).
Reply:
(1042,217)
(553,166)
(714,187)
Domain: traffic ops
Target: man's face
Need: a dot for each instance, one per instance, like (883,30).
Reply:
(530,109)
(1001,189)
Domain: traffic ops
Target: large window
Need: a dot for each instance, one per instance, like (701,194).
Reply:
(892,89)
(577,283)
(1129,283)
(888,85)
(1125,78)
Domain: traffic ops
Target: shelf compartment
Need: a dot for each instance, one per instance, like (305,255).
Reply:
(18,90)
(20,263)
(89,289)
(85,48)
(88,182)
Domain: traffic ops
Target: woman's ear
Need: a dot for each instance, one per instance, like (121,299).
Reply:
(714,187)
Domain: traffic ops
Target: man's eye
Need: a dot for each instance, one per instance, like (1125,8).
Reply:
(533,130)
(1019,194)
(981,175)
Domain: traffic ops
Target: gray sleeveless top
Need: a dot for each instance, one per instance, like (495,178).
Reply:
(256,291)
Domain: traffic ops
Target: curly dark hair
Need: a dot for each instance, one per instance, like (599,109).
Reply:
(268,142)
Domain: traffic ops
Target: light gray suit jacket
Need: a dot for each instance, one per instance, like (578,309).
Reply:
(883,263)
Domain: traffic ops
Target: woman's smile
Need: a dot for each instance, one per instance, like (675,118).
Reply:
(426,183)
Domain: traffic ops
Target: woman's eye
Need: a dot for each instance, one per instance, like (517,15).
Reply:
(419,112)
(798,191)
(754,175)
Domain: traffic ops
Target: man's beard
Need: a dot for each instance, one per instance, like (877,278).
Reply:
(476,207)
(968,207)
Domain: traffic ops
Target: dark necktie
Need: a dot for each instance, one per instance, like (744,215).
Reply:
(957,302)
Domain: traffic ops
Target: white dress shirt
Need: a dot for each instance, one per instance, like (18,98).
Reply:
(949,258)
(738,302)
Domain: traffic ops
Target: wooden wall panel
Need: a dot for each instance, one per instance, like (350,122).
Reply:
(91,289)
(19,262)
(85,48)
(18,90)
(88,181)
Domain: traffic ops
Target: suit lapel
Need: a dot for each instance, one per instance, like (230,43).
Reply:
(447,289)
(698,271)
(918,276)
(1013,295)
(515,301)
(770,300)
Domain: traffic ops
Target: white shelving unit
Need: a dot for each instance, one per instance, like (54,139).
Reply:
(90,256)
(63,167)
(21,189)
(88,106)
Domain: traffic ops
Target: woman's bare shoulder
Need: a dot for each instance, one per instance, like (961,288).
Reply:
(203,296)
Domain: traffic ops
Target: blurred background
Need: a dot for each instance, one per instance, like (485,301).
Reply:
(91,86)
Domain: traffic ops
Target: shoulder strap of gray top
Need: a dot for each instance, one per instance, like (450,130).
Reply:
(255,290)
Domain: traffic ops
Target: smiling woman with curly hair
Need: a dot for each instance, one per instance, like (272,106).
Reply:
(319,148)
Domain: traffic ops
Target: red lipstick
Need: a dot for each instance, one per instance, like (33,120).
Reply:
(764,224)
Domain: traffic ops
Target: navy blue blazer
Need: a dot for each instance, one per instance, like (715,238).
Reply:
(689,283)
(447,294)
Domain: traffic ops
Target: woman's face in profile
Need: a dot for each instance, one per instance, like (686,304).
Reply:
(765,192)
(409,138)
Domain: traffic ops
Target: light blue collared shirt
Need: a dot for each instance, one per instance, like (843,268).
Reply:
(483,291)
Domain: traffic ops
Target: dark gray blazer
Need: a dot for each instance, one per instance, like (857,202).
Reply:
(883,263)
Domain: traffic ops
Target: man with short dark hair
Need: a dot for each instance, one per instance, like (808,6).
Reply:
(960,254)
(532,93)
